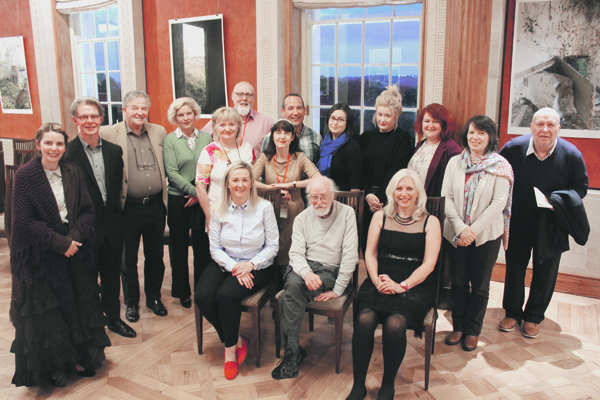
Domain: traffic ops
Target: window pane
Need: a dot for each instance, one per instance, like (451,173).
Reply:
(100,24)
(406,122)
(405,42)
(377,42)
(113,22)
(383,11)
(324,44)
(358,12)
(99,56)
(101,87)
(85,57)
(376,80)
(106,116)
(87,85)
(407,79)
(112,48)
(356,121)
(86,21)
(369,120)
(117,113)
(349,84)
(349,43)
(115,86)
(410,9)
(323,86)
(319,117)
(324,14)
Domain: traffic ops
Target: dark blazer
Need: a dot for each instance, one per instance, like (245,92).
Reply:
(435,174)
(109,218)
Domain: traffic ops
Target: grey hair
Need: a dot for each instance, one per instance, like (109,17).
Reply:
(90,101)
(221,206)
(333,188)
(180,102)
(391,208)
(226,114)
(134,94)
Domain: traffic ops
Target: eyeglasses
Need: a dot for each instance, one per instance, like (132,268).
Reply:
(242,95)
(338,120)
(315,198)
(83,118)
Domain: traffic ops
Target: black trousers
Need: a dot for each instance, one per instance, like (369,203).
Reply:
(542,286)
(108,261)
(180,223)
(471,269)
(148,222)
(219,296)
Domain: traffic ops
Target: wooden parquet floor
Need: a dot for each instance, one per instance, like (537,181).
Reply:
(162,362)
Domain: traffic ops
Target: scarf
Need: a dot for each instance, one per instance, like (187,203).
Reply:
(328,148)
(491,163)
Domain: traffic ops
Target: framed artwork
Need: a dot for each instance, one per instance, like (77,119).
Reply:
(552,59)
(198,61)
(14,83)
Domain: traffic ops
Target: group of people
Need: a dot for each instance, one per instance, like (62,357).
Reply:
(80,216)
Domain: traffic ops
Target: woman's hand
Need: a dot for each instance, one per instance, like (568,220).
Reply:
(288,185)
(466,237)
(191,200)
(374,203)
(72,248)
(387,285)
(285,195)
(243,272)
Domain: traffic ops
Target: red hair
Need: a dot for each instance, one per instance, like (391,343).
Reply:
(441,113)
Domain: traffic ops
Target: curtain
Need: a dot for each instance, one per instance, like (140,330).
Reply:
(76,6)
(302,4)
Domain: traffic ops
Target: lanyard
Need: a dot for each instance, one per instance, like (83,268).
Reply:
(244,131)
(227,155)
(286,168)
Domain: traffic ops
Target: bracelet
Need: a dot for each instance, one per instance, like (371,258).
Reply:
(404,286)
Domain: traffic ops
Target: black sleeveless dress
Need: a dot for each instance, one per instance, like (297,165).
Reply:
(399,254)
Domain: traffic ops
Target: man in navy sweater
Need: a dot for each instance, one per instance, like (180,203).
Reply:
(549,163)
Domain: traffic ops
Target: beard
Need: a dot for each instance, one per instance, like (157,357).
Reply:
(242,110)
(323,210)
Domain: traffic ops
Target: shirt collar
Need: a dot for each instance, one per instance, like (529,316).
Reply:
(180,134)
(233,206)
(531,149)
(56,172)
(129,130)
(86,145)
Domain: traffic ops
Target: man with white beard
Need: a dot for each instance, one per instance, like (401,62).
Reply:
(255,125)
(323,256)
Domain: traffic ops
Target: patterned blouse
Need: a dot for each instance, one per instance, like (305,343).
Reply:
(55,180)
(213,162)
(420,161)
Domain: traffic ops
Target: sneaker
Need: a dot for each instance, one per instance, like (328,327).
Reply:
(530,330)
(287,367)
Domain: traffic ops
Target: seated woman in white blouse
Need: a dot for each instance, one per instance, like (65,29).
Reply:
(244,240)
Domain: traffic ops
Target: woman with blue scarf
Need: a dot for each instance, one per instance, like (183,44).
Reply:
(341,157)
(478,188)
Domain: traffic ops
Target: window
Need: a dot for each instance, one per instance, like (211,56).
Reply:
(357,52)
(96,59)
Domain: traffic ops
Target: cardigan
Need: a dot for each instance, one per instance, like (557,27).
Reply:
(435,173)
(181,162)
(486,213)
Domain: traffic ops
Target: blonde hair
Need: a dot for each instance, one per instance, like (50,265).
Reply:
(391,98)
(391,208)
(226,114)
(221,206)
(180,102)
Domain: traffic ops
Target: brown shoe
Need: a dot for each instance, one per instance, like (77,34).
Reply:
(453,338)
(530,330)
(507,324)
(470,343)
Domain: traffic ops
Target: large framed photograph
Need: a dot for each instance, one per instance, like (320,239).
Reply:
(198,61)
(14,83)
(554,62)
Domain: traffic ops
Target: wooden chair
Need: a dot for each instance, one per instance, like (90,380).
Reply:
(435,206)
(254,303)
(24,150)
(9,177)
(335,308)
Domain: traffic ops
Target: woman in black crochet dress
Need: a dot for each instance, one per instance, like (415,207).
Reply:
(402,249)
(54,306)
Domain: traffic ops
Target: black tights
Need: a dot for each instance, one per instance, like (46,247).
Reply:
(394,348)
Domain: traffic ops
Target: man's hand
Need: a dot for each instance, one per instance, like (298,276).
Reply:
(312,280)
(327,296)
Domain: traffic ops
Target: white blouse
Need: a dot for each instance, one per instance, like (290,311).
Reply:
(421,160)
(55,180)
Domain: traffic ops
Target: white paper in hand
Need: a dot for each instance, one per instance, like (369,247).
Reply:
(541,200)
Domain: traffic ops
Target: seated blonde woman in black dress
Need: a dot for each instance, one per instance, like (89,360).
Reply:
(402,249)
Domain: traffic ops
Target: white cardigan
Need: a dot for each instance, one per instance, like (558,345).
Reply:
(486,213)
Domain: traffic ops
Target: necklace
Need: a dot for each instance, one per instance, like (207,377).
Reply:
(227,155)
(286,168)
(402,220)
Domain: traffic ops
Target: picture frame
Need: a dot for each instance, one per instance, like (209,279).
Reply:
(15,96)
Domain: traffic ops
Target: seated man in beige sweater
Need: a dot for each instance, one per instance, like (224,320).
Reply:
(323,256)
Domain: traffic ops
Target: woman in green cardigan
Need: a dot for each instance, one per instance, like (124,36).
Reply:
(181,150)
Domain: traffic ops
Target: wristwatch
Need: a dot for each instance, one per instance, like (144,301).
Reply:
(404,286)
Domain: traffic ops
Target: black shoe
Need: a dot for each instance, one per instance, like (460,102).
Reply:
(186,302)
(87,373)
(59,379)
(287,367)
(157,307)
(132,313)
(120,327)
